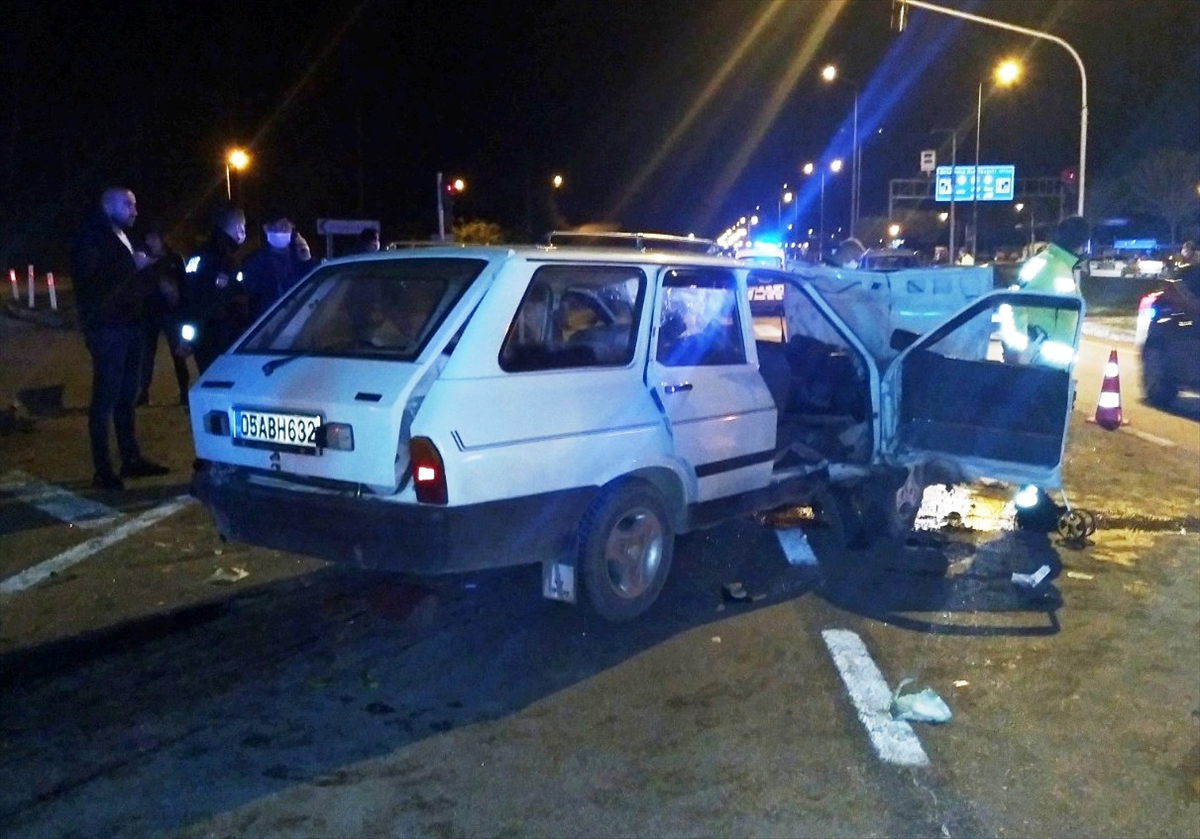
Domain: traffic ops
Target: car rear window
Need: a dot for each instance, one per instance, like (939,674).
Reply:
(375,308)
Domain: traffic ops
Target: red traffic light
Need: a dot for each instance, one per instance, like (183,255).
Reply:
(1069,175)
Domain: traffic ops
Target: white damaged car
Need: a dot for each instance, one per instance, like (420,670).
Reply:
(447,409)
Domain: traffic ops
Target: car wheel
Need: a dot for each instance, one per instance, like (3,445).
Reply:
(1157,386)
(625,549)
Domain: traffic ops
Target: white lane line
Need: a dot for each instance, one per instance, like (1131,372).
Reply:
(894,740)
(795,546)
(77,554)
(56,501)
(1150,438)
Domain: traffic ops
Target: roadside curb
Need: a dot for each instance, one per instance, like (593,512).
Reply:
(49,319)
(1095,330)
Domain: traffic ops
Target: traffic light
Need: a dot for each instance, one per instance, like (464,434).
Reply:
(1069,176)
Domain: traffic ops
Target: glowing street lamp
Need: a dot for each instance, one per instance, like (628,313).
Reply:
(893,231)
(1006,74)
(237,159)
(835,166)
(557,181)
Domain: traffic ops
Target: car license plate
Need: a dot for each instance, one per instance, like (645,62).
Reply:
(262,428)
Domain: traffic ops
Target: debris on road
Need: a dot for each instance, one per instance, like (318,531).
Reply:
(1031,580)
(1079,575)
(735,593)
(923,706)
(226,577)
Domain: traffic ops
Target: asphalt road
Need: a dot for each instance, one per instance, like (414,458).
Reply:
(142,693)
(1178,427)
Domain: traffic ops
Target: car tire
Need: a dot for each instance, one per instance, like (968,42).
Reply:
(1157,385)
(625,547)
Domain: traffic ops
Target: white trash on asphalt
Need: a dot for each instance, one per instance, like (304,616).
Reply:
(923,706)
(224,577)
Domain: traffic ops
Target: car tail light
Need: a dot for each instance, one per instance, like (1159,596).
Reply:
(1146,313)
(429,476)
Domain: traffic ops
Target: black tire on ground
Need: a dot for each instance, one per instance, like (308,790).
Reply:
(625,547)
(1157,386)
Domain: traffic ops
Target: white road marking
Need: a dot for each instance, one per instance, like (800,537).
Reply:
(77,554)
(56,501)
(894,740)
(795,546)
(1150,438)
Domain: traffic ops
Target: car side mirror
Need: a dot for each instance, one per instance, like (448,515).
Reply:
(902,339)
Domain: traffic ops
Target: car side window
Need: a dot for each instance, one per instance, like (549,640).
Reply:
(698,322)
(575,316)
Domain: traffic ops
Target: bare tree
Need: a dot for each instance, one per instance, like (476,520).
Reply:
(1164,184)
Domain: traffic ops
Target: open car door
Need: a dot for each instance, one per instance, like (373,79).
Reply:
(988,393)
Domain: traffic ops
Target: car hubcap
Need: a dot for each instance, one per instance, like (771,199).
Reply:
(633,552)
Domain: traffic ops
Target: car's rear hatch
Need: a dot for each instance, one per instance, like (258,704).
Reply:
(323,386)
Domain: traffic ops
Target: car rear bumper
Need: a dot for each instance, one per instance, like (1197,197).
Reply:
(377,534)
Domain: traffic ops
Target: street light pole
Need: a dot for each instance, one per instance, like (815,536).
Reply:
(953,132)
(235,158)
(441,210)
(975,176)
(1033,33)
(855,176)
(830,74)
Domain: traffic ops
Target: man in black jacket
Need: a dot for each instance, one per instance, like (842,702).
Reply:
(216,295)
(111,297)
(165,306)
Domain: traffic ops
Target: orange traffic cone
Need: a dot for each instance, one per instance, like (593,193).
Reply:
(1108,409)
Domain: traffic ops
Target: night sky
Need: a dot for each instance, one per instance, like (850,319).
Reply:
(661,115)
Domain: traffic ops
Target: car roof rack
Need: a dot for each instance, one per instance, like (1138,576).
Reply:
(630,241)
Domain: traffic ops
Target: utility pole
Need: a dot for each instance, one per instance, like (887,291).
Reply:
(441,210)
(953,132)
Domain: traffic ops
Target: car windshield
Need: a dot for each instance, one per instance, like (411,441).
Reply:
(377,308)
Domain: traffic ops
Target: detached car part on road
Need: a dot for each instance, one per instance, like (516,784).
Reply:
(440,410)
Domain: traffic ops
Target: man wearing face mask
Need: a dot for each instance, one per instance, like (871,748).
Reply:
(277,266)
(216,294)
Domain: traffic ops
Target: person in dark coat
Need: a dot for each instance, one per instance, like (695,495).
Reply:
(110,295)
(165,307)
(368,241)
(277,266)
(215,291)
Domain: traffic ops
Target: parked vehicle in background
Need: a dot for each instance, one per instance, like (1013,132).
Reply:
(888,259)
(1168,330)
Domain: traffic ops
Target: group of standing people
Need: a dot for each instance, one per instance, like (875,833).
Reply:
(130,289)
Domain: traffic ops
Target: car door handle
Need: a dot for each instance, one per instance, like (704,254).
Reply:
(679,388)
